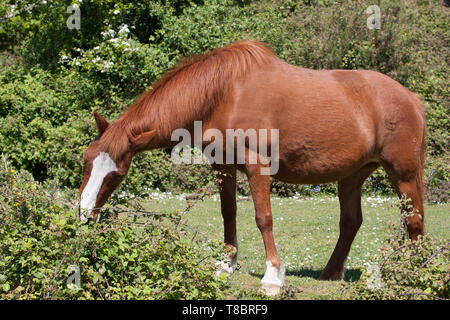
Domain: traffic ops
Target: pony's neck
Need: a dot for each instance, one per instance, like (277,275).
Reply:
(188,92)
(154,115)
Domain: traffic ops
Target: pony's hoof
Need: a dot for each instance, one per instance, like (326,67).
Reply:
(270,289)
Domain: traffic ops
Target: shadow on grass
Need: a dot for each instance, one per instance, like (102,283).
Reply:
(350,275)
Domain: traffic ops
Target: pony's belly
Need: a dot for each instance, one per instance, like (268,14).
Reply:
(318,173)
(299,178)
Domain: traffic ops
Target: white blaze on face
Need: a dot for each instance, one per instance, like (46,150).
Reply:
(101,166)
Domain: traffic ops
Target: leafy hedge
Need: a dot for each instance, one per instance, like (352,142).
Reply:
(133,256)
(51,78)
(405,270)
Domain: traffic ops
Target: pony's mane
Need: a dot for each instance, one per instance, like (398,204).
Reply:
(185,93)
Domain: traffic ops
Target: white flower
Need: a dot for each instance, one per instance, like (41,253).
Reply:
(106,65)
(108,33)
(124,29)
(116,11)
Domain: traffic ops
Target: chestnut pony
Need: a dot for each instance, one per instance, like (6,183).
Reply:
(334,125)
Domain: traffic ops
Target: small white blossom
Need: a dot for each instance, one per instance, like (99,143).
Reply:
(124,29)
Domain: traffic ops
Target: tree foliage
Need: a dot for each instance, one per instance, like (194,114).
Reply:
(52,77)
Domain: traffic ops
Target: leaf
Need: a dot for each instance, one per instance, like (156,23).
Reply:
(5,287)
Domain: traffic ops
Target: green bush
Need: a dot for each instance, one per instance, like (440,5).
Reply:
(438,179)
(405,270)
(132,256)
(51,78)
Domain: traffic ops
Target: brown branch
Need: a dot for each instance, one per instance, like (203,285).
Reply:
(55,275)
(437,252)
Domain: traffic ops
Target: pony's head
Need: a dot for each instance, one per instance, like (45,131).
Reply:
(103,173)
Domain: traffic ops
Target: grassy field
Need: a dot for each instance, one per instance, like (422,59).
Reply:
(306,231)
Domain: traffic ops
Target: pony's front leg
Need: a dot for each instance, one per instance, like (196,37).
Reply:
(227,184)
(260,188)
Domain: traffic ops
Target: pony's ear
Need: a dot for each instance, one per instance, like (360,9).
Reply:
(141,142)
(101,122)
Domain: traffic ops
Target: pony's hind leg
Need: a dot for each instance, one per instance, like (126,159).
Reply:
(402,155)
(404,163)
(409,183)
(227,184)
(349,191)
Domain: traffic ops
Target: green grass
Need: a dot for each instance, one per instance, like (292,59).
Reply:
(305,233)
